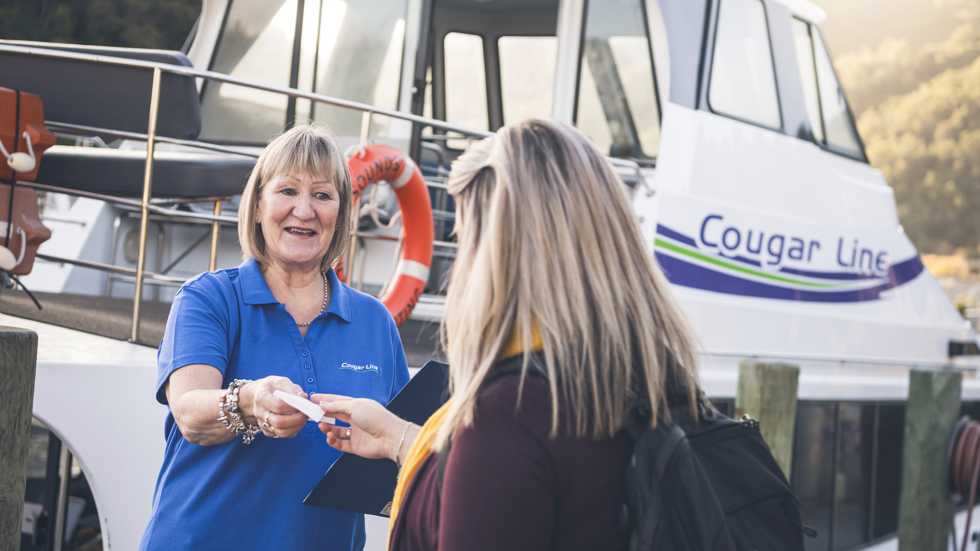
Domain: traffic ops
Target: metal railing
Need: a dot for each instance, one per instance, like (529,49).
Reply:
(148,205)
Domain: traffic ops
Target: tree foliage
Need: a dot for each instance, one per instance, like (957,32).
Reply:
(927,143)
(918,112)
(128,23)
(894,67)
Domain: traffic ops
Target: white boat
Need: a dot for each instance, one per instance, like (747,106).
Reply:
(725,118)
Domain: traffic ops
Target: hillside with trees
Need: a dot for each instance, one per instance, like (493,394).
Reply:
(918,112)
(927,143)
(127,23)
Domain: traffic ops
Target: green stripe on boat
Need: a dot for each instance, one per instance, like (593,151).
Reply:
(711,260)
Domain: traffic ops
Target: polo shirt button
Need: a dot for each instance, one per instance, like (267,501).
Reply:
(307,366)
(310,380)
(305,354)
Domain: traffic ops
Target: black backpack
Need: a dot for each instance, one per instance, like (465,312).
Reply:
(709,483)
(705,484)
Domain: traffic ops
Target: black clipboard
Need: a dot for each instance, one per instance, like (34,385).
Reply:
(366,486)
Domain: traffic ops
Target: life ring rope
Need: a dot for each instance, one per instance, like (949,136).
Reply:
(372,163)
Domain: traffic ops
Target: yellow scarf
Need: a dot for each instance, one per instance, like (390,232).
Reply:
(423,442)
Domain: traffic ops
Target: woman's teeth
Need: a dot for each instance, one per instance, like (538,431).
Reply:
(299,231)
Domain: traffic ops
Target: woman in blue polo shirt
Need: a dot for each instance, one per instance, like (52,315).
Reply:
(238,460)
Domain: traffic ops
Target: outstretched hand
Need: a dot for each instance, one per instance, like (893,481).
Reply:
(284,421)
(374,431)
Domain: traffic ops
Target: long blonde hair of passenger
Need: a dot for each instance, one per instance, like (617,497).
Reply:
(548,241)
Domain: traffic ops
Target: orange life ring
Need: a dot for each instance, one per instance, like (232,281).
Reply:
(374,163)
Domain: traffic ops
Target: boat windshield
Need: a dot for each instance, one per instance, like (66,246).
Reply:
(354,50)
(617,103)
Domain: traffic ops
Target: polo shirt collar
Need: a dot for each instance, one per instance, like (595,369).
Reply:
(339,301)
(256,290)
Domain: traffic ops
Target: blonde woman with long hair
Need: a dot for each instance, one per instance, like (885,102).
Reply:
(551,275)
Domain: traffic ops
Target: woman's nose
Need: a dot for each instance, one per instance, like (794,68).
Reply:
(303,208)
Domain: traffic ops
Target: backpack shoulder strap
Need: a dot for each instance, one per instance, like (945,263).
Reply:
(638,420)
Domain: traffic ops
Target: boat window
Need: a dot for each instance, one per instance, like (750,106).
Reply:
(256,44)
(743,82)
(826,107)
(466,84)
(350,50)
(838,125)
(856,444)
(42,503)
(527,76)
(617,102)
(887,481)
(808,76)
(847,471)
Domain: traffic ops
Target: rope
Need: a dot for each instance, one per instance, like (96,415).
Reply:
(965,468)
(4,149)
(371,207)
(13,176)
(30,148)
(357,149)
(20,162)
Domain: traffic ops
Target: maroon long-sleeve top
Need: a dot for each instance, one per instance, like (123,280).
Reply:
(509,486)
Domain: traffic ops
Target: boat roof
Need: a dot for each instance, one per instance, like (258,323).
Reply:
(805,10)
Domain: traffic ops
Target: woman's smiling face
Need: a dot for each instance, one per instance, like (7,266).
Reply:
(298,214)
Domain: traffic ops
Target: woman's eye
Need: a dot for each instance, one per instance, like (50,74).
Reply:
(322,196)
(287,191)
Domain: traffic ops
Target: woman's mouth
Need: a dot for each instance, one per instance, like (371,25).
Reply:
(301,232)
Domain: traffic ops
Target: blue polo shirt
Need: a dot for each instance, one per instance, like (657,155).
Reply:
(237,496)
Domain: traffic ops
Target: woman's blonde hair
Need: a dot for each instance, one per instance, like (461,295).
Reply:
(548,240)
(309,148)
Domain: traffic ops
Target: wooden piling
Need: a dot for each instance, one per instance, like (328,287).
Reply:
(767,392)
(925,518)
(18,360)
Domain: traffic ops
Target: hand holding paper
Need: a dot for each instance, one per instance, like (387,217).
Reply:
(375,431)
(305,407)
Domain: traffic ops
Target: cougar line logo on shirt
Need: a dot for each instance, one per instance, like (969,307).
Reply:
(359,368)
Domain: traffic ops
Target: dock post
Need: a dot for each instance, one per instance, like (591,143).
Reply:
(767,392)
(925,517)
(18,360)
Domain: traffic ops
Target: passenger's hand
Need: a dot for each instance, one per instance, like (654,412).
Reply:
(259,406)
(374,430)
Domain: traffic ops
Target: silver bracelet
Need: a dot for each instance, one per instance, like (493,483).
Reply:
(231,416)
(398,452)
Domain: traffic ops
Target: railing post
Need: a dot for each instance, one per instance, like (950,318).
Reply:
(925,515)
(64,474)
(365,127)
(151,133)
(767,392)
(18,361)
(215,232)
(356,206)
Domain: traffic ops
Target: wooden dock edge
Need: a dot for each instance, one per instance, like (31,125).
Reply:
(18,363)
